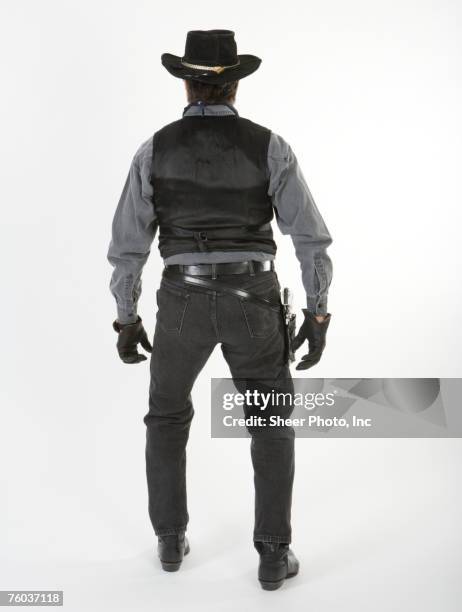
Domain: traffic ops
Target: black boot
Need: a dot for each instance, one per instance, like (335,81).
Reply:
(277,562)
(171,549)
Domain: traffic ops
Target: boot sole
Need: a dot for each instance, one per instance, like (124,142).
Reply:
(170,567)
(267,585)
(271,586)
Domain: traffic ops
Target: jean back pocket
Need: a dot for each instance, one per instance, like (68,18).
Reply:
(172,303)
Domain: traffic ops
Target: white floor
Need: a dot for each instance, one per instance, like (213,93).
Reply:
(376,526)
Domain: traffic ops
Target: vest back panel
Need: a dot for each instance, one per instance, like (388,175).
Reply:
(210,182)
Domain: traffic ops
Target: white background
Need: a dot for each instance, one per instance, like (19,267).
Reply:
(368,94)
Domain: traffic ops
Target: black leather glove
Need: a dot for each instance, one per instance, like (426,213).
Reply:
(315,333)
(127,343)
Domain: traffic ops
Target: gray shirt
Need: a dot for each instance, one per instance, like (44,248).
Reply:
(135,224)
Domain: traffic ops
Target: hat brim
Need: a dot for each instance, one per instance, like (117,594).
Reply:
(247,65)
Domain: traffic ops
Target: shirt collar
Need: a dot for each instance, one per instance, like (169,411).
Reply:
(203,108)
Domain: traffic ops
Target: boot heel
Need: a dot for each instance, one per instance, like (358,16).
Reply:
(271,586)
(171,567)
(172,547)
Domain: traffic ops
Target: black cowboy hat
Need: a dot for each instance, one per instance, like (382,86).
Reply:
(211,57)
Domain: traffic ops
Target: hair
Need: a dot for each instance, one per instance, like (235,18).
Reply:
(213,94)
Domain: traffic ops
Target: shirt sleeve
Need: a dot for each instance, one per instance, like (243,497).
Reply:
(298,215)
(133,229)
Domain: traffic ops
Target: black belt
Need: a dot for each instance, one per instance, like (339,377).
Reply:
(196,280)
(242,294)
(213,270)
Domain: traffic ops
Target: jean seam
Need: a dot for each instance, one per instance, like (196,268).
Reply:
(246,319)
(272,538)
(170,531)
(186,303)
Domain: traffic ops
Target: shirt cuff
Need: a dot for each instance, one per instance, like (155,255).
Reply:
(126,317)
(316,305)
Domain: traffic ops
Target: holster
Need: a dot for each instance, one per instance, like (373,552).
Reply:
(290,331)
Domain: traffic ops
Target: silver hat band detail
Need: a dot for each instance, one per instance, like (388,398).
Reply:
(217,69)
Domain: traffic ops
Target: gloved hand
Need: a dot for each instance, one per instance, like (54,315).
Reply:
(129,336)
(315,333)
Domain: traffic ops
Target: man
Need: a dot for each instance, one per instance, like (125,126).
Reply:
(211,182)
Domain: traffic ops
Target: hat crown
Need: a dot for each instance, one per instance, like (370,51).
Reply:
(210,48)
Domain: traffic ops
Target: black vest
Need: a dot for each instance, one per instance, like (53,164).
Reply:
(210,180)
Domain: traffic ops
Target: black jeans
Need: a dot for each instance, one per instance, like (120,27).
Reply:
(190,322)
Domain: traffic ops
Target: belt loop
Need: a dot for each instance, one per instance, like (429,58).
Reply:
(181,268)
(251,268)
(214,271)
